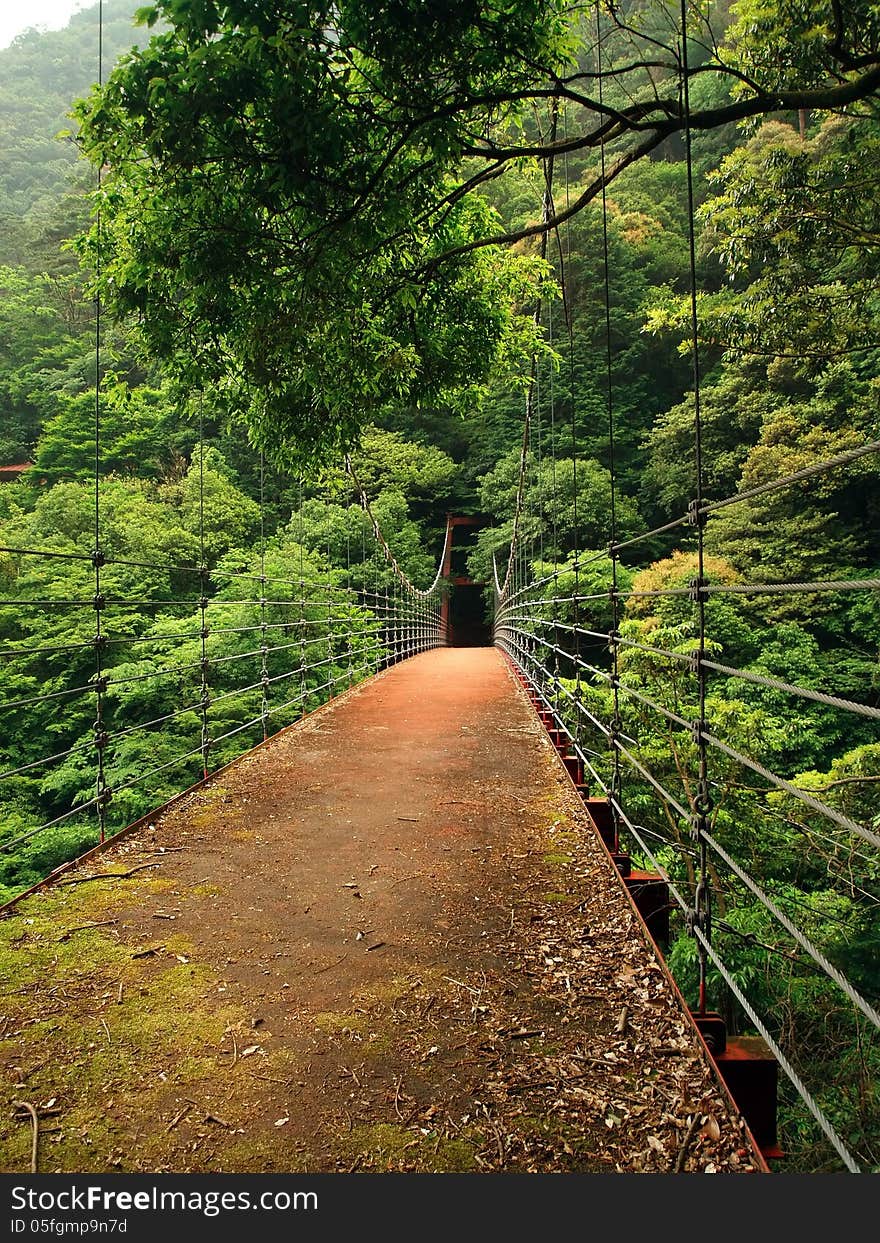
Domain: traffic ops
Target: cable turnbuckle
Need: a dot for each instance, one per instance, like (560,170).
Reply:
(101,736)
(105,796)
(703,802)
(696,514)
(698,827)
(696,589)
(697,733)
(695,663)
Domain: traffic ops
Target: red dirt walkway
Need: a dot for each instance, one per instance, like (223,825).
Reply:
(389,939)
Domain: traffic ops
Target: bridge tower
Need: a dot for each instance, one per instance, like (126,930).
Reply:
(463,611)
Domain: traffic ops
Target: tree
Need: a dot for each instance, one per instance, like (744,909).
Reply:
(41,72)
(285,211)
(795,227)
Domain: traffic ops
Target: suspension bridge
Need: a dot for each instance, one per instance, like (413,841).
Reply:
(388,938)
(402,914)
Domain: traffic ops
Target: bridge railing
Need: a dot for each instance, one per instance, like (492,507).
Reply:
(128,678)
(628,697)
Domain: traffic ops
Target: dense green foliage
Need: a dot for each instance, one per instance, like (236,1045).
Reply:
(42,74)
(279,268)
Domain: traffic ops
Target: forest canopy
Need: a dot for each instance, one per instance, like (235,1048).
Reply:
(294,204)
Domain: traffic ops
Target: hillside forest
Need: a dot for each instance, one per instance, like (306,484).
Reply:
(204,496)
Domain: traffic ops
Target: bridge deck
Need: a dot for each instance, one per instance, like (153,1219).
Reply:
(389,939)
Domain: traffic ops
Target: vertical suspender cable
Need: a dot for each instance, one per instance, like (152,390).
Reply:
(547,214)
(514,555)
(568,314)
(614,732)
(102,793)
(702,803)
(203,598)
(348,601)
(302,602)
(264,649)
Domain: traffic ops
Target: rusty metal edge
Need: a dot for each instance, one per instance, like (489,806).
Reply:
(7,907)
(763,1167)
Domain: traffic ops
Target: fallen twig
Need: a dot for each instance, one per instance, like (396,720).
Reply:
(686,1143)
(620,1028)
(101,923)
(461,984)
(144,953)
(178,1117)
(83,880)
(35,1123)
(544,1083)
(321,970)
(43,1111)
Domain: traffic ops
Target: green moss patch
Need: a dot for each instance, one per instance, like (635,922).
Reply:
(386,1146)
